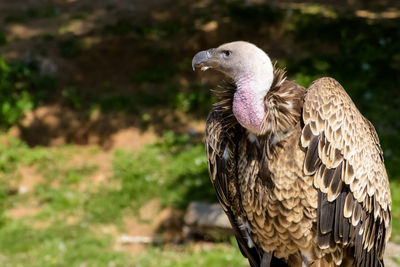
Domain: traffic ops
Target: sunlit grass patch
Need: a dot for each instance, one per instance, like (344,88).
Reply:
(53,179)
(199,255)
(64,231)
(395,188)
(174,170)
(56,245)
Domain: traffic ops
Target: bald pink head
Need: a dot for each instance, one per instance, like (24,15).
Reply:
(252,71)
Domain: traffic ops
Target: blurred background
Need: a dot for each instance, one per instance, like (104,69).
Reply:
(102,119)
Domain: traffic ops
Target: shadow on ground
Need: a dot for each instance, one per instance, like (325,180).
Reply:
(121,64)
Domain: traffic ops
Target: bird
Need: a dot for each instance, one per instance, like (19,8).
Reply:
(299,172)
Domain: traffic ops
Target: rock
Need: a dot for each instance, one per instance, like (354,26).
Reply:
(207,221)
(47,66)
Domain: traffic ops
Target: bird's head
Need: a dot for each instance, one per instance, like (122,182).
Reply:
(253,73)
(237,60)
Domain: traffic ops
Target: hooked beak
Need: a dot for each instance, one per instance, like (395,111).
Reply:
(201,59)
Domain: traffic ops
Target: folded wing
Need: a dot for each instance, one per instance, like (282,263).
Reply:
(344,155)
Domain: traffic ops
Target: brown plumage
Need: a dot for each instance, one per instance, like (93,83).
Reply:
(308,186)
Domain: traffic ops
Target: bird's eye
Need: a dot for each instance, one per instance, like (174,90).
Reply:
(226,53)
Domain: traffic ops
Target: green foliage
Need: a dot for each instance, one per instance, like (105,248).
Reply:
(151,31)
(3,38)
(154,74)
(254,14)
(70,48)
(72,97)
(196,100)
(43,11)
(15,99)
(121,27)
(21,87)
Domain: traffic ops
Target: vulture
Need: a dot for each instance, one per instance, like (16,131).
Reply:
(299,172)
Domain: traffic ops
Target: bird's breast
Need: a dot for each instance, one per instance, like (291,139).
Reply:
(281,216)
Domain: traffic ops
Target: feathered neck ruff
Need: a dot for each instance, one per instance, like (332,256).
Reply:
(225,93)
(283,103)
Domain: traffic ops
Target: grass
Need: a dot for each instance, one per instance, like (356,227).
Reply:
(45,238)
(174,171)
(220,255)
(61,227)
(395,189)
(56,245)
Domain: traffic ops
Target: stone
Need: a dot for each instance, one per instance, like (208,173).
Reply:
(206,221)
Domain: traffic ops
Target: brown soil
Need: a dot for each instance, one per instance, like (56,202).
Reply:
(55,125)
(151,225)
(29,180)
(134,228)
(21,211)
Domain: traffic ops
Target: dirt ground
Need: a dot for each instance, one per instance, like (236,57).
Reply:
(45,30)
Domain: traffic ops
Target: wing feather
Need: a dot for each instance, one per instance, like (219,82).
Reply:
(344,155)
(221,144)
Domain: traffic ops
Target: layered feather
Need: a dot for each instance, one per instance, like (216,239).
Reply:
(344,155)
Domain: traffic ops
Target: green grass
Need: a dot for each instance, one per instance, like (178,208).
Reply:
(395,190)
(221,255)
(57,198)
(79,245)
(56,245)
(174,171)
